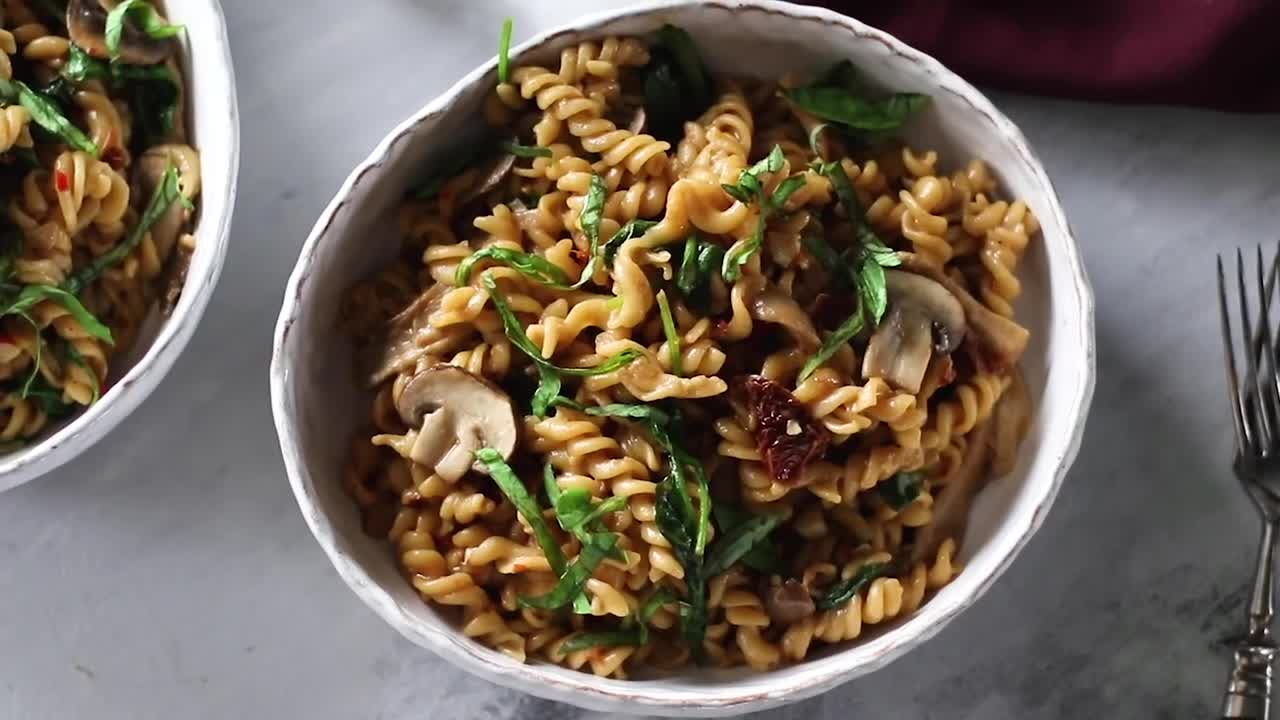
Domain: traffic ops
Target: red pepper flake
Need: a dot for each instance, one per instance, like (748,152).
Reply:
(63,181)
(578,254)
(787,436)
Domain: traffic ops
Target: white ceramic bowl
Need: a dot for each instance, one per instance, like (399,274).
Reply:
(317,405)
(214,126)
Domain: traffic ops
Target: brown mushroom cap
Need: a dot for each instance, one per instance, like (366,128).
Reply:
(789,602)
(405,339)
(87,26)
(922,316)
(1000,340)
(456,413)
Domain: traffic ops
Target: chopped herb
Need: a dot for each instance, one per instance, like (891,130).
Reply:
(45,113)
(148,19)
(635,630)
(166,194)
(504,51)
(856,113)
(576,574)
(844,590)
(677,86)
(673,337)
(152,90)
(860,267)
(524,151)
(589,220)
(735,544)
(534,267)
(674,517)
(633,228)
(31,295)
(847,331)
(153,94)
(515,491)
(47,397)
(901,489)
(763,557)
(700,261)
(751,187)
(549,382)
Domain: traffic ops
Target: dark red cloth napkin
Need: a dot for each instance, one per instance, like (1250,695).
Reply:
(1214,53)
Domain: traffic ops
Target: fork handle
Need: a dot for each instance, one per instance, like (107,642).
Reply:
(1248,694)
(1249,690)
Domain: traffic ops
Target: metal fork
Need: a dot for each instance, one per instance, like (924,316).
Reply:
(1255,409)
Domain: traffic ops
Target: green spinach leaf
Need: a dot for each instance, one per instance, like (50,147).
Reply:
(843,591)
(148,21)
(901,489)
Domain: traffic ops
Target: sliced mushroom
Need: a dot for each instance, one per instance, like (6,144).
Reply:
(1001,340)
(175,273)
(789,602)
(951,508)
(456,414)
(87,26)
(1009,424)
(923,316)
(404,341)
(149,173)
(774,306)
(490,176)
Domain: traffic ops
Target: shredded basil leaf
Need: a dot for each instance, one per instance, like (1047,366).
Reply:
(687,58)
(735,544)
(549,380)
(844,590)
(504,50)
(848,330)
(673,337)
(633,228)
(515,491)
(575,575)
(524,151)
(589,220)
(166,194)
(763,557)
(31,295)
(46,397)
(901,489)
(750,187)
(677,86)
(699,263)
(856,113)
(46,113)
(152,90)
(149,21)
(634,632)
(534,267)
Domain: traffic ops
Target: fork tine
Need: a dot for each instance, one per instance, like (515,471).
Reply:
(1268,293)
(1248,399)
(1268,401)
(1229,356)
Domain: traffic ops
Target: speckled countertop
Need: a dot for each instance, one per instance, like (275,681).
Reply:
(168,574)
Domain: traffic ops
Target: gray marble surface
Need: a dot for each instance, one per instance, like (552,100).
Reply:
(167,572)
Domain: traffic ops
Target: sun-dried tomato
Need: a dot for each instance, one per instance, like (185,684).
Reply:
(787,436)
